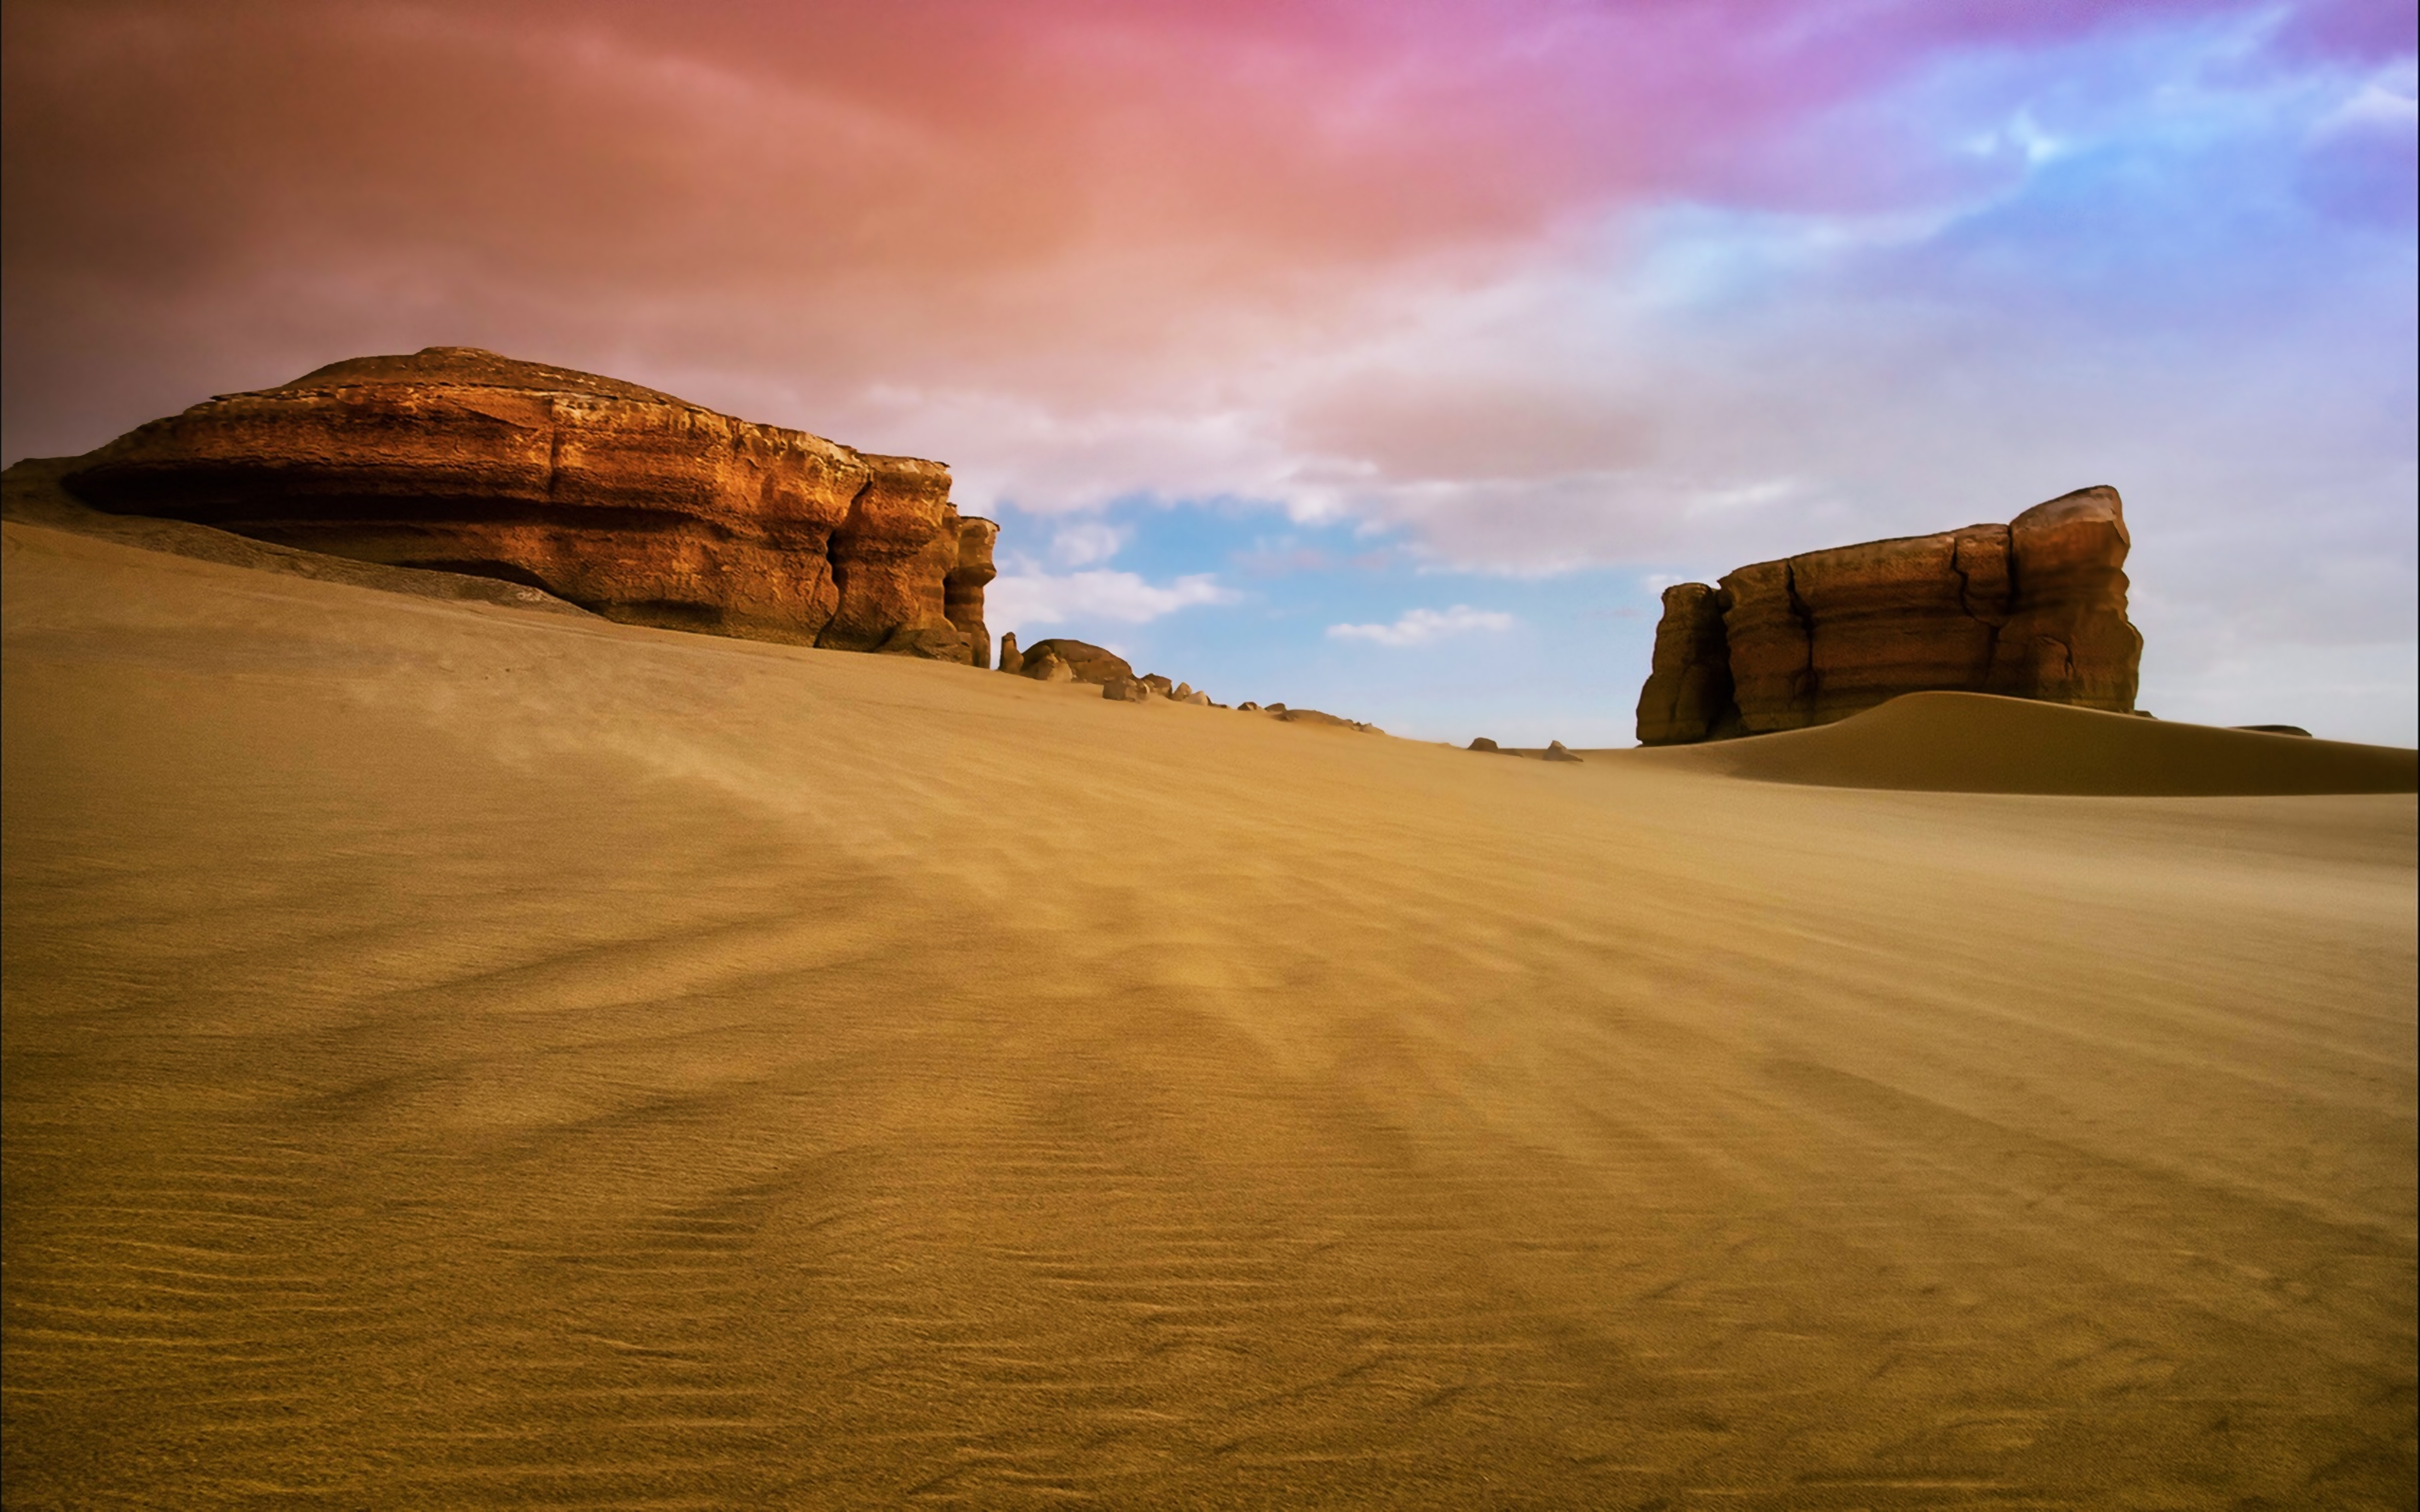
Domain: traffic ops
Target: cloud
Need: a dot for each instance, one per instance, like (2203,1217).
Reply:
(1017,599)
(1084,541)
(1419,626)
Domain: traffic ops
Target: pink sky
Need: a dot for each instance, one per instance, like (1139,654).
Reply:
(1533,286)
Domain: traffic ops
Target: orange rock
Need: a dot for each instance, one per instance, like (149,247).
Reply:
(2033,609)
(627,501)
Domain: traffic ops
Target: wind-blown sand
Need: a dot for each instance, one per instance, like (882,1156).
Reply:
(460,1057)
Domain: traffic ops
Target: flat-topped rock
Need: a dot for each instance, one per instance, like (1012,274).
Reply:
(623,500)
(2033,609)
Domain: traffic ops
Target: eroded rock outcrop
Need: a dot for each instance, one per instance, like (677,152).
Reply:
(1088,663)
(2033,609)
(629,503)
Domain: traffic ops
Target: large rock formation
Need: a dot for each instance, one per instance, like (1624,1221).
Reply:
(2033,609)
(635,504)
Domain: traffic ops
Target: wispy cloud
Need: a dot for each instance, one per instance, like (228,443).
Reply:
(1419,626)
(1084,542)
(1018,599)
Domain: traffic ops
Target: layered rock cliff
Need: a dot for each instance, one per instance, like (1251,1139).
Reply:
(629,503)
(2033,609)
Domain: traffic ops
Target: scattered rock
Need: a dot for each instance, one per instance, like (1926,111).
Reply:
(1248,707)
(1199,700)
(1089,663)
(1184,693)
(1159,684)
(1483,743)
(2032,609)
(1011,660)
(1273,708)
(629,502)
(1556,751)
(1126,690)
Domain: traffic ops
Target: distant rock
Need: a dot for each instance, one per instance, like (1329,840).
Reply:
(1159,684)
(2276,729)
(627,501)
(1126,690)
(1044,666)
(1011,660)
(1088,663)
(1248,707)
(2033,609)
(1196,698)
(1556,752)
(1315,717)
(1483,743)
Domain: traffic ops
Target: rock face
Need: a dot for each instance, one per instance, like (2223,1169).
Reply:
(1088,663)
(2033,609)
(633,503)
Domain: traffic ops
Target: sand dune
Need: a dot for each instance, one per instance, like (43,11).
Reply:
(458,1057)
(1977,743)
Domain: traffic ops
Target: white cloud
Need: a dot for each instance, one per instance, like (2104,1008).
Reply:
(1086,542)
(1422,625)
(1018,599)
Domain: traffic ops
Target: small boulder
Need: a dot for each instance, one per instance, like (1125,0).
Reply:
(1483,743)
(1011,660)
(1126,690)
(1555,753)
(1275,708)
(1158,684)
(1197,700)
(1248,707)
(1312,717)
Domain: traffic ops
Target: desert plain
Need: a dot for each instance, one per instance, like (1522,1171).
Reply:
(458,1056)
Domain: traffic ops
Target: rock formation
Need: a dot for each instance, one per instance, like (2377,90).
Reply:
(1088,663)
(1011,660)
(1557,751)
(629,503)
(2033,609)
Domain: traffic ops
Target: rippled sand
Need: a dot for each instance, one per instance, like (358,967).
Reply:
(457,1056)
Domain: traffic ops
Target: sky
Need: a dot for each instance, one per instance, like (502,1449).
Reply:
(1387,357)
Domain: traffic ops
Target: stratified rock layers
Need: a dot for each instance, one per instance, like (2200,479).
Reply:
(2033,609)
(627,501)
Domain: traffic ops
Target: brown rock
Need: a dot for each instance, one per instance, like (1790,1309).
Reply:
(962,597)
(1689,691)
(1557,751)
(624,500)
(1089,663)
(1011,660)
(1483,743)
(1159,684)
(1044,666)
(1127,691)
(2033,609)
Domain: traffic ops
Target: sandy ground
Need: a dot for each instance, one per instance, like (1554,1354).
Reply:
(458,1056)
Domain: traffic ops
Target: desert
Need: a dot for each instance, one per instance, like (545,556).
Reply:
(1566,755)
(465,1052)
